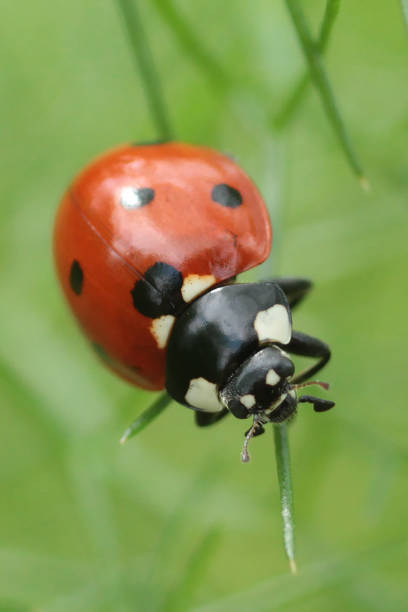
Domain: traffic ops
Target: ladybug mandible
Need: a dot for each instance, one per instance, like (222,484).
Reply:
(148,242)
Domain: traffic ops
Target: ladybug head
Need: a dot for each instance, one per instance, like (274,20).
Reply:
(262,387)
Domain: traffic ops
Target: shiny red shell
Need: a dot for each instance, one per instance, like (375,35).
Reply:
(183,226)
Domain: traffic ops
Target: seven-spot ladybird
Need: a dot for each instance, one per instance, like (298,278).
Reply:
(148,242)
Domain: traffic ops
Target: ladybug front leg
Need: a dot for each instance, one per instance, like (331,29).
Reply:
(203,419)
(295,289)
(308,346)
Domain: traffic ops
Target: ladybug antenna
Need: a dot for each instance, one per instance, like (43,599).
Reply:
(245,456)
(319,404)
(324,385)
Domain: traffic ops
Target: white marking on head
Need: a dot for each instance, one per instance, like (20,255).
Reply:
(272,378)
(248,400)
(273,324)
(161,329)
(203,394)
(194,284)
(292,394)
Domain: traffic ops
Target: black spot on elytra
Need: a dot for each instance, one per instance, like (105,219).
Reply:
(76,277)
(136,197)
(159,292)
(226,196)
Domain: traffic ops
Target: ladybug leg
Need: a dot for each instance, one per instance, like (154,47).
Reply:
(308,346)
(295,288)
(203,419)
(319,404)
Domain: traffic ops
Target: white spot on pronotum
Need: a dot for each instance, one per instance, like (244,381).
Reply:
(272,378)
(273,324)
(292,394)
(203,394)
(161,329)
(248,400)
(194,284)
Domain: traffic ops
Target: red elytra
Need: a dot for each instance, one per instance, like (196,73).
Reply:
(113,246)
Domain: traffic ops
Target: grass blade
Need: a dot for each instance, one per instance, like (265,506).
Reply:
(404,7)
(191,44)
(144,59)
(329,17)
(292,102)
(149,415)
(321,81)
(282,453)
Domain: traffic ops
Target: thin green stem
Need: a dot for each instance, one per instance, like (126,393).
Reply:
(329,17)
(404,7)
(295,97)
(145,63)
(282,453)
(192,46)
(149,415)
(321,81)
(289,107)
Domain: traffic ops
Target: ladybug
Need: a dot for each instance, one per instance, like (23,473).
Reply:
(148,241)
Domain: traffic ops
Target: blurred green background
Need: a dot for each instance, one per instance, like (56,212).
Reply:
(173,521)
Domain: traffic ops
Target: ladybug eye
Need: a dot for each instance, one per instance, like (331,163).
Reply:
(136,197)
(227,196)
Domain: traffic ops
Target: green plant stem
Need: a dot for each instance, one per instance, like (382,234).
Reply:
(282,453)
(144,60)
(404,7)
(192,46)
(292,102)
(330,15)
(149,415)
(321,81)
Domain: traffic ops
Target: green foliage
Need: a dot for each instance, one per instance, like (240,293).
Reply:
(282,454)
(313,54)
(292,103)
(172,520)
(147,68)
(147,417)
(404,7)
